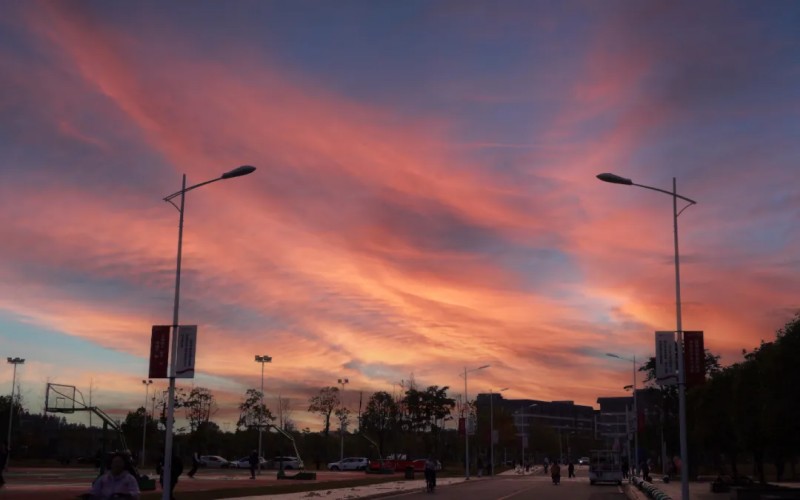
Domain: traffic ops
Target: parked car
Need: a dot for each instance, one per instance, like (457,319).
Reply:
(289,463)
(583,461)
(214,462)
(350,463)
(244,463)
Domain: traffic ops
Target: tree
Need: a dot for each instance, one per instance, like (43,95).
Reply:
(324,404)
(380,417)
(132,427)
(285,411)
(343,416)
(200,405)
(252,411)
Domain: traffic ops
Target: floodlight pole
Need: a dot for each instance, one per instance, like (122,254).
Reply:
(261,359)
(15,362)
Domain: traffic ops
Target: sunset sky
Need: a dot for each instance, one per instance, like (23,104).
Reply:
(425,197)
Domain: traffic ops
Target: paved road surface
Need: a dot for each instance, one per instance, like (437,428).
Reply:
(536,487)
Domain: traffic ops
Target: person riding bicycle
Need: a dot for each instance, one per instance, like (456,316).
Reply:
(430,473)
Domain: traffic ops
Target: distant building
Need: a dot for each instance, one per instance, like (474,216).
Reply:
(612,426)
(561,416)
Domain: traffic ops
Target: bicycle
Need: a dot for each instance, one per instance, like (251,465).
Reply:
(430,480)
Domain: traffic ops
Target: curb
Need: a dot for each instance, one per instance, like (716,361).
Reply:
(650,490)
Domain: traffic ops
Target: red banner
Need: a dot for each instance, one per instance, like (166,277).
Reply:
(694,358)
(462,426)
(159,351)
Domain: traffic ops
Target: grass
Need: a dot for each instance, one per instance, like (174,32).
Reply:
(276,489)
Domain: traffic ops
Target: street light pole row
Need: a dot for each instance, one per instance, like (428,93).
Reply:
(616,179)
(635,456)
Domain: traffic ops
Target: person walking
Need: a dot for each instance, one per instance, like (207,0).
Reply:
(571,469)
(195,464)
(645,471)
(555,473)
(3,461)
(546,464)
(177,470)
(253,464)
(430,473)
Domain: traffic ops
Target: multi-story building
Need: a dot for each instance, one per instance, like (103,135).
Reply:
(561,416)
(613,421)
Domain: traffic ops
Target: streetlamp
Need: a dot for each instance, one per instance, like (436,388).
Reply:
(236,172)
(466,430)
(144,424)
(491,428)
(263,360)
(15,362)
(635,456)
(342,382)
(616,179)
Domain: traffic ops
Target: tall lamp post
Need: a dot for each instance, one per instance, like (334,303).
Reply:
(342,382)
(144,424)
(263,360)
(466,419)
(15,362)
(236,172)
(635,456)
(616,179)
(491,428)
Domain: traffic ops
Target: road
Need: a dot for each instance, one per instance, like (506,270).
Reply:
(514,487)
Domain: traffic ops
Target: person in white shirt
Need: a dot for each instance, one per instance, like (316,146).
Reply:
(117,483)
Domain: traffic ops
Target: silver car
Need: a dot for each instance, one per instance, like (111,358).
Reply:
(214,462)
(350,463)
(289,463)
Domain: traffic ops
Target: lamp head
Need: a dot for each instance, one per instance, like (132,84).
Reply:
(239,171)
(614,179)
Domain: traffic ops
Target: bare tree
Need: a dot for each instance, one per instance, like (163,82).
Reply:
(200,405)
(285,412)
(324,404)
(252,411)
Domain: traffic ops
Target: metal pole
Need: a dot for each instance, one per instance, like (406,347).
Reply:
(681,372)
(341,429)
(261,419)
(11,414)
(466,426)
(144,425)
(491,432)
(166,493)
(636,415)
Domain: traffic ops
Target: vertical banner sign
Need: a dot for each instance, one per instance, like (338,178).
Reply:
(462,426)
(159,351)
(694,358)
(471,425)
(187,342)
(666,359)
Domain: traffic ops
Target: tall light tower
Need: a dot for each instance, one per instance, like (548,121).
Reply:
(263,360)
(342,382)
(144,424)
(15,362)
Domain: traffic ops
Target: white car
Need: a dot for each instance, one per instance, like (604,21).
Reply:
(289,463)
(244,463)
(583,461)
(214,462)
(350,463)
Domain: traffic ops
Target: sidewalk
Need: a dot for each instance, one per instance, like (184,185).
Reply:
(368,491)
